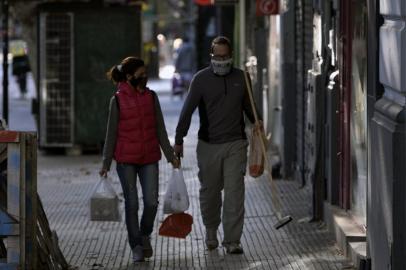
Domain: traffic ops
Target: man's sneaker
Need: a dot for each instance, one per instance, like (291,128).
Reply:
(234,248)
(138,254)
(147,248)
(211,239)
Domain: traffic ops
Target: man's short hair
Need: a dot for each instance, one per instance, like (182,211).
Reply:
(221,40)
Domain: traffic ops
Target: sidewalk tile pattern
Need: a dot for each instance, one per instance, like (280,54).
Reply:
(103,245)
(66,183)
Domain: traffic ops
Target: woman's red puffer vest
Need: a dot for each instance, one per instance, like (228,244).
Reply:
(137,140)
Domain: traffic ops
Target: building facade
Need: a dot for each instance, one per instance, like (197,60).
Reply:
(332,89)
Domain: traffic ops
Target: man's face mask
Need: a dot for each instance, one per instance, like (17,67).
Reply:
(221,66)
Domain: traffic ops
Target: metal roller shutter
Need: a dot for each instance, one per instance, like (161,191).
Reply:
(304,53)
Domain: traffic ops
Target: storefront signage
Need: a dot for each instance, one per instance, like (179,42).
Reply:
(216,2)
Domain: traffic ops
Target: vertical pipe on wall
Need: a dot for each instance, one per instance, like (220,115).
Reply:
(242,34)
(345,96)
(288,86)
(5,9)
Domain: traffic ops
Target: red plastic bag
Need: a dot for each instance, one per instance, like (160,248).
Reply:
(255,157)
(176,225)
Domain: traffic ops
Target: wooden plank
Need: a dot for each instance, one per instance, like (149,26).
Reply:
(48,242)
(3,250)
(23,205)
(9,266)
(13,249)
(13,199)
(31,200)
(8,229)
(13,180)
(8,225)
(57,251)
(8,136)
(3,152)
(6,218)
(32,244)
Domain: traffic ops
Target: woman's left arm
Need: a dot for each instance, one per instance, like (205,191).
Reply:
(161,131)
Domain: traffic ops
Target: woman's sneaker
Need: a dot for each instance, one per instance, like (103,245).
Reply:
(138,254)
(146,245)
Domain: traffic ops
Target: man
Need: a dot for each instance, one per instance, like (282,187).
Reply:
(20,68)
(221,95)
(185,61)
(185,67)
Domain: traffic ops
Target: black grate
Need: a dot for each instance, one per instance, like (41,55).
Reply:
(58,78)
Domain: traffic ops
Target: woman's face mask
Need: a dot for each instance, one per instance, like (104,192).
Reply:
(222,67)
(139,82)
(139,79)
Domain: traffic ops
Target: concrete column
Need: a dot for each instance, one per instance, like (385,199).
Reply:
(386,208)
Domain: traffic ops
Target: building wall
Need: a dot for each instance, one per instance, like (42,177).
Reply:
(386,205)
(385,112)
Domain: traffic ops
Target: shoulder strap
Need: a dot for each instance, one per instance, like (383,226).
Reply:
(154,95)
(118,105)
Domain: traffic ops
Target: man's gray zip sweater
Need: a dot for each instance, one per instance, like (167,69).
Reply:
(221,100)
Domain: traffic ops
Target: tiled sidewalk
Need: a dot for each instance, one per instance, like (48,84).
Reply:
(66,183)
(103,245)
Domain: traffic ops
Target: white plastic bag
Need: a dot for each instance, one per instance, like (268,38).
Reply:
(104,202)
(176,199)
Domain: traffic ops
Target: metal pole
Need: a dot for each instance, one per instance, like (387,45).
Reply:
(5,8)
(242,34)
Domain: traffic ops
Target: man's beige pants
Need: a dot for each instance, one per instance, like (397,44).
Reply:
(222,167)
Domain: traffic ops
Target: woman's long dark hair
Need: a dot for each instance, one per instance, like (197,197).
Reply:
(129,65)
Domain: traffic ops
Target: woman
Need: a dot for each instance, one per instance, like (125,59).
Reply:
(135,133)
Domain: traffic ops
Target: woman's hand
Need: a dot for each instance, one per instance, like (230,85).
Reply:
(175,162)
(103,173)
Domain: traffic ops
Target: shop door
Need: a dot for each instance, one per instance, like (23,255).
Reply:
(358,115)
(353,111)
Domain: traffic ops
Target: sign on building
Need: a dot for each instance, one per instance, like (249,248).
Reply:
(267,7)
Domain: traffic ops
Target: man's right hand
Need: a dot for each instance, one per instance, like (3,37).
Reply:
(178,148)
(103,173)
